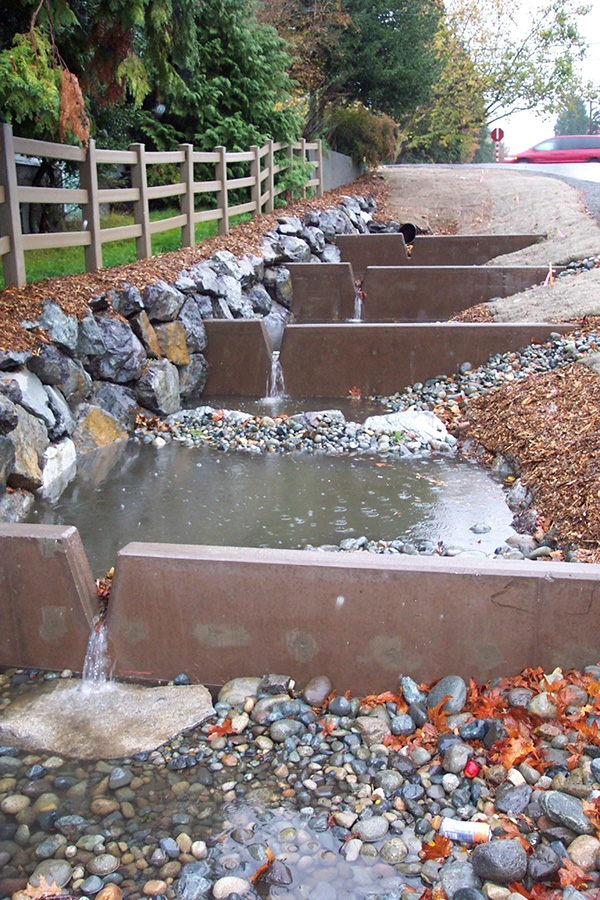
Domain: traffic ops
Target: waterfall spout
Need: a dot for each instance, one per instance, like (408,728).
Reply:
(276,385)
(95,664)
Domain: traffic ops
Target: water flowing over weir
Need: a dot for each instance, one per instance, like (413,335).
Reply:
(276,385)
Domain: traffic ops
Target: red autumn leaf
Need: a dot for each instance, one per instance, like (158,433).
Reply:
(264,868)
(515,750)
(511,832)
(216,731)
(395,742)
(439,848)
(327,726)
(572,874)
(517,888)
(542,892)
(438,716)
(372,700)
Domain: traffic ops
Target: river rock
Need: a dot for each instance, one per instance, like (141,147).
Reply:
(144,331)
(123,358)
(171,340)
(513,800)
(34,397)
(191,319)
(456,876)
(371,830)
(120,777)
(543,863)
(500,861)
(542,706)
(62,329)
(230,884)
(282,729)
(102,865)
(236,691)
(372,729)
(64,422)
(96,428)
(317,690)
(158,388)
(454,688)
(456,757)
(583,851)
(127,302)
(420,422)
(193,883)
(162,301)
(29,440)
(14,804)
(117,400)
(59,468)
(394,851)
(566,810)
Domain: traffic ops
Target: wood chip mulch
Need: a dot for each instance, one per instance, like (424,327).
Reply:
(74,292)
(549,423)
(479,313)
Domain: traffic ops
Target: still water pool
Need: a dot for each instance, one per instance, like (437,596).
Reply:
(175,494)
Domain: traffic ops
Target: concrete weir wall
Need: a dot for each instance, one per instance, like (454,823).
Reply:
(219,612)
(329,360)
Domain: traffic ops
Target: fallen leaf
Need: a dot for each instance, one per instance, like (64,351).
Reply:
(439,848)
(264,868)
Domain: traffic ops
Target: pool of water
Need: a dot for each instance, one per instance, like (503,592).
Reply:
(176,494)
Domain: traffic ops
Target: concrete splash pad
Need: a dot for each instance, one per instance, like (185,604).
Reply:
(105,721)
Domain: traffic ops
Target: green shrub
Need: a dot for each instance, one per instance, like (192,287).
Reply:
(369,138)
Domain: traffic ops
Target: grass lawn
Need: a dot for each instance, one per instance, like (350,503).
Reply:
(40,264)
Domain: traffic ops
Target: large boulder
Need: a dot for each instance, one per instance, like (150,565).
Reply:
(145,332)
(34,397)
(30,440)
(225,263)
(89,341)
(192,378)
(171,340)
(117,400)
(195,332)
(62,329)
(7,461)
(279,285)
(127,302)
(158,388)
(8,415)
(293,249)
(162,301)
(64,421)
(123,358)
(50,365)
(59,468)
(205,278)
(78,384)
(96,428)
(260,299)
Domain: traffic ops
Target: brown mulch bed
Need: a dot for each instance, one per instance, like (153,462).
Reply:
(549,423)
(479,313)
(74,292)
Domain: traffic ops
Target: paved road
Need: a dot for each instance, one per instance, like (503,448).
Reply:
(584,176)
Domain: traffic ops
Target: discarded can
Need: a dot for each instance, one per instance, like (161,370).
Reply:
(466,832)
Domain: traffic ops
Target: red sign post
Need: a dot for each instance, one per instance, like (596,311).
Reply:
(497,135)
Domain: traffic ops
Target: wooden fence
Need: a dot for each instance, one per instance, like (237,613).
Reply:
(261,183)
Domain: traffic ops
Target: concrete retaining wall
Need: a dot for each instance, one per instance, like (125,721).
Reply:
(329,360)
(47,597)
(239,357)
(322,293)
(338,169)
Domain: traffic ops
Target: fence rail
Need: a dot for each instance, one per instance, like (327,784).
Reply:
(261,185)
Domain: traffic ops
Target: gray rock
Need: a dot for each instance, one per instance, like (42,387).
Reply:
(193,376)
(48,847)
(62,329)
(293,249)
(373,829)
(16,505)
(543,863)
(513,799)
(119,777)
(10,389)
(89,339)
(158,388)
(57,870)
(394,851)
(314,237)
(123,358)
(225,263)
(566,810)
(117,400)
(317,690)
(389,780)
(402,724)
(500,861)
(128,301)
(456,757)
(289,225)
(8,415)
(231,291)
(13,359)
(236,691)
(50,365)
(35,399)
(205,278)
(454,688)
(279,285)
(411,691)
(64,421)
(285,728)
(260,299)
(191,319)
(457,875)
(29,439)
(372,729)
(340,706)
(193,883)
(91,885)
(102,865)
(331,254)
(78,384)
(59,469)
(541,705)
(467,893)
(162,302)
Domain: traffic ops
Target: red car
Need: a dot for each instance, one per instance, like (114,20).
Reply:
(569,148)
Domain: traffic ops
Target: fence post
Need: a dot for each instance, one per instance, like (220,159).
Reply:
(188,235)
(88,176)
(269,206)
(222,198)
(255,190)
(141,206)
(13,262)
(303,156)
(320,167)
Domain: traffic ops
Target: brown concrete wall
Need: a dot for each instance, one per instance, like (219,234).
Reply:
(434,293)
(362,250)
(239,358)
(47,597)
(466,249)
(329,360)
(217,612)
(322,293)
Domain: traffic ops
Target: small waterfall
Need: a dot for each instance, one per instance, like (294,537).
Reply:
(358,307)
(276,386)
(95,664)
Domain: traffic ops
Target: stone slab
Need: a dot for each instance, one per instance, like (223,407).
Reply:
(322,293)
(239,358)
(360,619)
(47,597)
(327,361)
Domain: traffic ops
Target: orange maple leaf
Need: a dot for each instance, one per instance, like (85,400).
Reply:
(572,874)
(264,868)
(438,716)
(372,700)
(439,848)
(44,889)
(512,832)
(327,726)
(517,888)
(515,750)
(216,731)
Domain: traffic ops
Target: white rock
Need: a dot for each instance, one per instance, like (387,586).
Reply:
(59,468)
(230,884)
(420,422)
